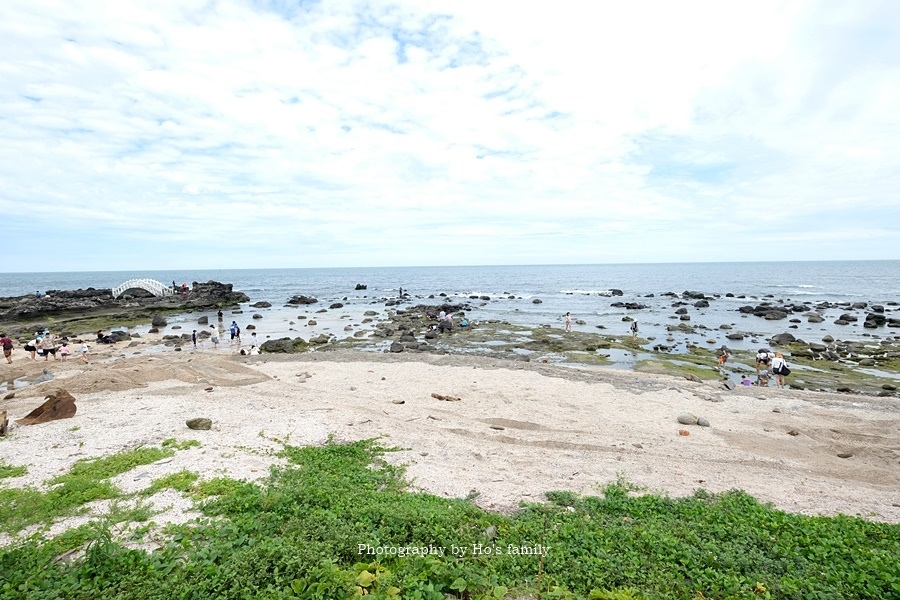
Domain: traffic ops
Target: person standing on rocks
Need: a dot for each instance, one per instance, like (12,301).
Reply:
(568,321)
(779,368)
(763,358)
(7,347)
(31,347)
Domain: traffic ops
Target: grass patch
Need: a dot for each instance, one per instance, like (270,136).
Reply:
(173,444)
(86,481)
(306,533)
(182,481)
(7,470)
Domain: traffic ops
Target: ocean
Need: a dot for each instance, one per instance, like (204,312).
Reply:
(582,290)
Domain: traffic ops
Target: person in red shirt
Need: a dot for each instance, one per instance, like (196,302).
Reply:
(7,347)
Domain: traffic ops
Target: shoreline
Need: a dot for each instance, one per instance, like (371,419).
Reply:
(519,429)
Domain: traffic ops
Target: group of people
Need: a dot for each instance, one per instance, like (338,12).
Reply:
(771,363)
(43,344)
(768,364)
(445,322)
(252,347)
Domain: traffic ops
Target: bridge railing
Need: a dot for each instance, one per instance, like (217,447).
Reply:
(151,285)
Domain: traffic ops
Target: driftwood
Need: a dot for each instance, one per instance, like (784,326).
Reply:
(446,398)
(59,405)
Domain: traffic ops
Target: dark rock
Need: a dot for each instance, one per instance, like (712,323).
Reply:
(537,301)
(729,384)
(775,315)
(848,317)
(261,304)
(681,311)
(257,316)
(302,300)
(285,346)
(360,286)
(701,304)
(735,336)
(159,321)
(336,305)
(396,347)
(200,423)
(783,338)
(616,292)
(889,386)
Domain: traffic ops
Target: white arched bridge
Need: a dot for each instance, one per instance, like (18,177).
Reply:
(151,285)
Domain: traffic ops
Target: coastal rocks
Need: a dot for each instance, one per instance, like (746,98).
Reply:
(396,347)
(361,286)
(257,316)
(159,321)
(261,304)
(537,301)
(735,336)
(67,302)
(199,424)
(297,300)
(701,304)
(783,338)
(285,346)
(336,305)
(615,292)
(204,320)
(630,305)
(775,315)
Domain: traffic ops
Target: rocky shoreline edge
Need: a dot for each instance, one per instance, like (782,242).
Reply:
(869,367)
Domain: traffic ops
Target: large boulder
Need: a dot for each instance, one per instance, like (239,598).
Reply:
(285,346)
(301,299)
(783,338)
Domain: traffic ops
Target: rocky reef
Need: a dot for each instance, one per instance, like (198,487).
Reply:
(24,313)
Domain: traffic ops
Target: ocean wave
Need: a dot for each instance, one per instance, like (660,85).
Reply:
(587,292)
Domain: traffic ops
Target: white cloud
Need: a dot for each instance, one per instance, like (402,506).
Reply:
(590,133)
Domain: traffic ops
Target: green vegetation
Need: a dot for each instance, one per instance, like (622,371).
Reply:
(181,481)
(86,481)
(306,533)
(7,470)
(173,444)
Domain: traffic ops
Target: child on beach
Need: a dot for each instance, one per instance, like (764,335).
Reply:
(64,351)
(84,352)
(7,347)
(745,380)
(194,339)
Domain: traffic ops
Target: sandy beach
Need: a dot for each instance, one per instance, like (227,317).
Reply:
(517,430)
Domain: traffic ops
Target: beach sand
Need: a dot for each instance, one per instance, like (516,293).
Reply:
(518,429)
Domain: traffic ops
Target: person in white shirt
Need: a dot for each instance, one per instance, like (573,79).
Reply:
(778,367)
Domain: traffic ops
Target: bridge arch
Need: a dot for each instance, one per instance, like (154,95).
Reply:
(151,285)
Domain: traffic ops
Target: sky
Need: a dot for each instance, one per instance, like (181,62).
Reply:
(281,133)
